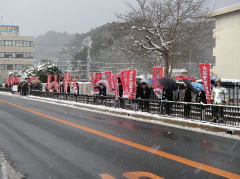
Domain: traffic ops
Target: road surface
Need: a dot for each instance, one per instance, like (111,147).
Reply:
(51,141)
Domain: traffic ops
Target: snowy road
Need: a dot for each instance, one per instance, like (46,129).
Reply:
(51,141)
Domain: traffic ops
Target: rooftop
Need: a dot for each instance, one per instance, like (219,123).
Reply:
(225,10)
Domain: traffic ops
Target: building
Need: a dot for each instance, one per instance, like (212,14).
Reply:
(16,52)
(227,46)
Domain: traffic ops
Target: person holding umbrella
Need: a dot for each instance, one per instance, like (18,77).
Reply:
(169,85)
(187,98)
(146,92)
(198,88)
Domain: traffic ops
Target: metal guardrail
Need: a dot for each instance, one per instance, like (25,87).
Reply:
(227,115)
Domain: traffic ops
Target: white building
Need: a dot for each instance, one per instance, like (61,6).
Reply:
(16,52)
(227,36)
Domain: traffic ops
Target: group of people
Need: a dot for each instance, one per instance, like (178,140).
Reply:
(23,88)
(144,93)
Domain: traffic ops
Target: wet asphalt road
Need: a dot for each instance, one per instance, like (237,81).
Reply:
(45,148)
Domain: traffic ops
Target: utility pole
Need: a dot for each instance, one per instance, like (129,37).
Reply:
(88,60)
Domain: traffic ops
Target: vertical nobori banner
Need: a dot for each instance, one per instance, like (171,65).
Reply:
(128,78)
(108,76)
(49,81)
(158,73)
(56,85)
(95,77)
(205,70)
(98,77)
(67,80)
(115,84)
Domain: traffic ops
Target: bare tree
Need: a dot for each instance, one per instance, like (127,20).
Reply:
(165,27)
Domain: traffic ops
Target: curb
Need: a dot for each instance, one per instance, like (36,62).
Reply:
(174,121)
(7,171)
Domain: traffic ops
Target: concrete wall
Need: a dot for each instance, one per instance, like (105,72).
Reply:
(227,50)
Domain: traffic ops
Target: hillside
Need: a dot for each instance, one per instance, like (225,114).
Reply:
(48,45)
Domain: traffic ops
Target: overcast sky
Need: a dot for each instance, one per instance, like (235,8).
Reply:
(36,17)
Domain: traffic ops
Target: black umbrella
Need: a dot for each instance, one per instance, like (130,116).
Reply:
(188,82)
(169,83)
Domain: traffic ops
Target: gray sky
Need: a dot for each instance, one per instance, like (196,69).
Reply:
(36,17)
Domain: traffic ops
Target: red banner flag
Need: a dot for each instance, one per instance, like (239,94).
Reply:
(128,78)
(109,79)
(33,79)
(95,77)
(98,77)
(49,81)
(205,70)
(56,82)
(158,73)
(67,80)
(115,84)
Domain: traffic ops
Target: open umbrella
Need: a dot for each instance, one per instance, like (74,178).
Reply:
(197,86)
(168,83)
(104,82)
(145,80)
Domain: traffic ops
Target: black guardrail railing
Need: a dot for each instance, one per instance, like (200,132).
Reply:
(226,115)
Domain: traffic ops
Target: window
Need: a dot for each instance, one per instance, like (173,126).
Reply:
(1,55)
(17,43)
(1,43)
(24,43)
(28,44)
(8,55)
(8,42)
(10,67)
(19,55)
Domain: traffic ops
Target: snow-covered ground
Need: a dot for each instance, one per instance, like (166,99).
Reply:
(139,116)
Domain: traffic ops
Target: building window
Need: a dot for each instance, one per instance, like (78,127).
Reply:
(19,55)
(10,67)
(8,42)
(1,55)
(8,55)
(1,43)
(17,43)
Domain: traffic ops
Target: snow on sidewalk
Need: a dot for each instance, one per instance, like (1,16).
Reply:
(187,124)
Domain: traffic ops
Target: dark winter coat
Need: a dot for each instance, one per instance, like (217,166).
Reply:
(25,87)
(102,90)
(188,95)
(202,97)
(139,92)
(68,89)
(146,92)
(168,94)
(120,89)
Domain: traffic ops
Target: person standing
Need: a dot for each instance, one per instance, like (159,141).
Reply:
(146,92)
(102,90)
(188,100)
(138,103)
(68,88)
(120,93)
(219,97)
(168,96)
(25,88)
(202,97)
